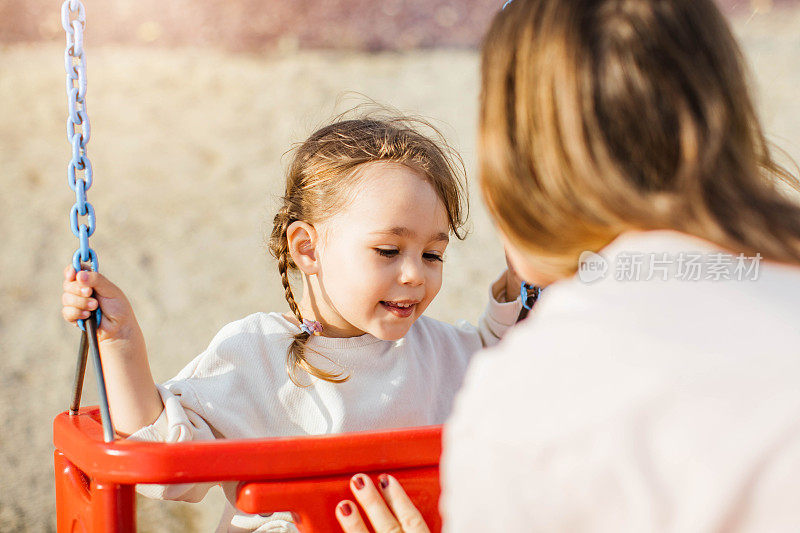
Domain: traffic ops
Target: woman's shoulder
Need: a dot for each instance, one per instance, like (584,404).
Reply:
(666,280)
(587,351)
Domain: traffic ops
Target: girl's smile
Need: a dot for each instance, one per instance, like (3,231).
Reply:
(401,309)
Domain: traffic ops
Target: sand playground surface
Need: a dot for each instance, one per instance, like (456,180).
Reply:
(187,152)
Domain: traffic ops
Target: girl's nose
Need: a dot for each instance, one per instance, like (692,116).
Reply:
(411,273)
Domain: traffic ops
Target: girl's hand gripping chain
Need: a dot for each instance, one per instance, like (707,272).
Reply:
(133,398)
(85,291)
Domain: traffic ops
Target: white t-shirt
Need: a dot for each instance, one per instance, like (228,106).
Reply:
(239,388)
(631,406)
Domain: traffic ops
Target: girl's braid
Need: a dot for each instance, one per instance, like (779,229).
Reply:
(283,266)
(296,357)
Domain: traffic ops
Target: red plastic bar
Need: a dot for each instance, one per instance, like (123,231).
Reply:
(95,479)
(83,505)
(313,500)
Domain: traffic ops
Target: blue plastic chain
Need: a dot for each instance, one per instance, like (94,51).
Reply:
(79,171)
(524,294)
(506,4)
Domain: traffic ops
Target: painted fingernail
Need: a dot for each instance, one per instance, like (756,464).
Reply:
(86,291)
(345,509)
(85,314)
(83,276)
(383,480)
(358,482)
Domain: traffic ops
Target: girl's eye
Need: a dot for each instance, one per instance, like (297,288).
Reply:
(433,257)
(387,252)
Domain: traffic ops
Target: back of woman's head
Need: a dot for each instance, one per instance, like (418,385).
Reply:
(325,173)
(601,116)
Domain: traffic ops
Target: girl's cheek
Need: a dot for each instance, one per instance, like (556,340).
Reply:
(435,284)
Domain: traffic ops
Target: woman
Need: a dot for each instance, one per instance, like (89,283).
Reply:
(655,387)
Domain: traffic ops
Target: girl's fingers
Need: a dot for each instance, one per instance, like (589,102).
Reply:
(349,518)
(69,299)
(77,283)
(102,287)
(378,513)
(401,505)
(85,291)
(73,314)
(76,288)
(76,300)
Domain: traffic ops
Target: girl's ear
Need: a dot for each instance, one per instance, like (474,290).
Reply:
(302,239)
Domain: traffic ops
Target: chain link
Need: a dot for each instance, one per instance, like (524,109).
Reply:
(79,171)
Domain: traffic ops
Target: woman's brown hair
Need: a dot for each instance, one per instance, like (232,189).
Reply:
(323,175)
(601,116)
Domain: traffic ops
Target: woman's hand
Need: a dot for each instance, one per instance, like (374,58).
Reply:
(389,511)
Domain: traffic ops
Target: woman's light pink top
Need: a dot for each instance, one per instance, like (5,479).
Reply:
(637,405)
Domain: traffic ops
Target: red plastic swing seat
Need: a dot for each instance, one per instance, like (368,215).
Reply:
(95,480)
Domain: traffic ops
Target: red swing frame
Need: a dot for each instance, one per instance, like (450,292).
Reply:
(95,480)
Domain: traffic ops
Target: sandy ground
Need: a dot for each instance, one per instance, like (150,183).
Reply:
(187,150)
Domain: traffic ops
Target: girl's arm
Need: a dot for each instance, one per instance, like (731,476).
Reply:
(503,310)
(132,395)
(506,288)
(509,284)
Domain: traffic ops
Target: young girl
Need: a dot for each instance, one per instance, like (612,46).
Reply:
(369,208)
(664,393)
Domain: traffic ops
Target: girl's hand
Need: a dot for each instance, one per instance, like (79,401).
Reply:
(513,282)
(399,516)
(132,395)
(85,291)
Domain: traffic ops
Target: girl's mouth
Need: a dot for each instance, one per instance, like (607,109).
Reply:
(401,309)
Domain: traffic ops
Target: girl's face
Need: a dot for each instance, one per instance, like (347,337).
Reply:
(380,258)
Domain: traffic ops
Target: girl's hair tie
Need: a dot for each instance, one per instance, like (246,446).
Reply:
(312,327)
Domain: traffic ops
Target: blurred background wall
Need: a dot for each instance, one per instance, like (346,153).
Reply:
(193,105)
(257,25)
(261,25)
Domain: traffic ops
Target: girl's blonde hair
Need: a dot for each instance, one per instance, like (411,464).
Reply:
(601,116)
(323,176)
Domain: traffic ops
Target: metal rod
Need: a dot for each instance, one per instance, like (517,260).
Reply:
(105,413)
(80,371)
